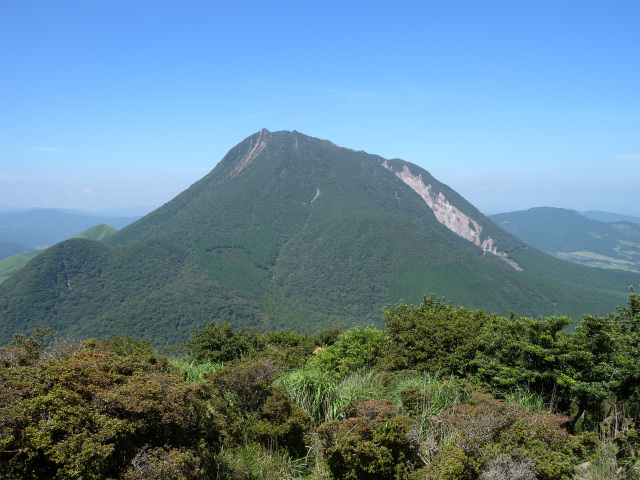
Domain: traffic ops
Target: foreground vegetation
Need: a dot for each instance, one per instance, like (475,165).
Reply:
(439,393)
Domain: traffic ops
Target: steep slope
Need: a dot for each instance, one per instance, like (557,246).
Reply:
(289,231)
(568,234)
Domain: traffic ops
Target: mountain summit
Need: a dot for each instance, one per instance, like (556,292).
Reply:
(290,231)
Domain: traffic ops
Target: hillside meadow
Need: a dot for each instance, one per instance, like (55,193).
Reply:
(439,392)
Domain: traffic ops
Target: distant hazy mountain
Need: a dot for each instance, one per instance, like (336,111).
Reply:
(293,232)
(45,226)
(574,237)
(7,249)
(10,265)
(609,217)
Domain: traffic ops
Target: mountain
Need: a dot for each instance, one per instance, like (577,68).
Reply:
(43,227)
(98,232)
(609,217)
(293,232)
(10,265)
(571,236)
(8,249)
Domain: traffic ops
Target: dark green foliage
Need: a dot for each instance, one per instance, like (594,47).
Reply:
(86,414)
(289,232)
(328,336)
(373,442)
(252,409)
(604,360)
(288,348)
(522,351)
(246,384)
(281,423)
(127,346)
(218,343)
(118,409)
(433,337)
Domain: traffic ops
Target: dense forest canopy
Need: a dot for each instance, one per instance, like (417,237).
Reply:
(290,232)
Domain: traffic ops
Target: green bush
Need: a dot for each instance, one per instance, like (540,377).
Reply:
(355,349)
(86,415)
(281,423)
(219,343)
(244,385)
(433,337)
(373,442)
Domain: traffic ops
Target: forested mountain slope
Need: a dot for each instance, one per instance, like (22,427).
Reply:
(293,232)
(569,235)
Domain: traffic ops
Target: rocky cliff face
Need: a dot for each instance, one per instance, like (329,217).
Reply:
(448,215)
(252,153)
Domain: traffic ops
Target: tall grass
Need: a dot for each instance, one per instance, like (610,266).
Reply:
(323,396)
(194,372)
(430,395)
(436,394)
(616,455)
(256,462)
(528,399)
(605,465)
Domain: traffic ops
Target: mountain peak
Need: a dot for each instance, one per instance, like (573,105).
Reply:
(292,232)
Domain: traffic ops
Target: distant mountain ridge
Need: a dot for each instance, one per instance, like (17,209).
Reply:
(293,232)
(12,264)
(570,235)
(40,227)
(609,217)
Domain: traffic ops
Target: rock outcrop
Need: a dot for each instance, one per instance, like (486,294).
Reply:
(449,215)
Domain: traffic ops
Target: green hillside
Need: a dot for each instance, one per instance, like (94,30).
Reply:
(571,236)
(9,266)
(292,232)
(97,233)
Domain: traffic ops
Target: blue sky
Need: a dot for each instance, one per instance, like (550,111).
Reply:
(514,104)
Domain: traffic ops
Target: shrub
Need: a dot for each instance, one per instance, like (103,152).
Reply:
(282,423)
(85,415)
(355,349)
(490,429)
(162,463)
(246,384)
(373,442)
(433,337)
(218,343)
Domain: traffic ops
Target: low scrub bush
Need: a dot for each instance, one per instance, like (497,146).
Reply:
(281,423)
(355,349)
(87,414)
(372,442)
(162,463)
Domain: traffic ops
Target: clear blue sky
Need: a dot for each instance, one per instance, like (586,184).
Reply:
(514,104)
